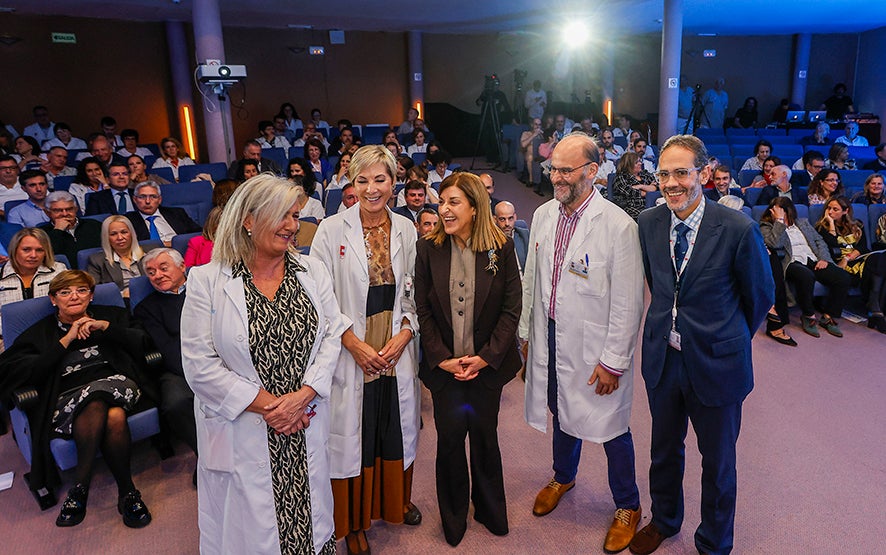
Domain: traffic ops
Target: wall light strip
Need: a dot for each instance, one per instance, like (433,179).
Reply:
(189,132)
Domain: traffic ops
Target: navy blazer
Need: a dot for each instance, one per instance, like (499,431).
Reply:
(405,212)
(104,202)
(769,192)
(176,217)
(521,244)
(726,291)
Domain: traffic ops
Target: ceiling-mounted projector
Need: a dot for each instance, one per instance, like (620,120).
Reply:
(220,74)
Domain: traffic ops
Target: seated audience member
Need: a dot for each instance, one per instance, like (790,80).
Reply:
(852,138)
(408,126)
(252,151)
(340,174)
(872,192)
(563,126)
(879,163)
(641,147)
(806,260)
(317,119)
(42,128)
(420,124)
(117,198)
(199,250)
(348,197)
(109,130)
(781,187)
(765,177)
(102,149)
(343,143)
(31,213)
(820,137)
(92,176)
(299,167)
(311,132)
(67,233)
(27,152)
(130,145)
(304,233)
(315,154)
(489,185)
(160,313)
(11,189)
(723,185)
(613,151)
(731,201)
(120,259)
(56,165)
(746,116)
(138,172)
(879,242)
(631,184)
(838,158)
(605,168)
(404,164)
(427,221)
(172,156)
(839,104)
(646,153)
(440,161)
(844,235)
(813,162)
(762,150)
(246,169)
(526,144)
(64,139)
(6,139)
(87,363)
(282,130)
(223,191)
(826,184)
(506,220)
(395,148)
(153,221)
(415,196)
(418,143)
(268,137)
(308,206)
(30,268)
(290,117)
(390,136)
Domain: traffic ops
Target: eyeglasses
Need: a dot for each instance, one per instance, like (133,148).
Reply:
(566,172)
(119,174)
(61,210)
(67,292)
(148,197)
(832,180)
(680,174)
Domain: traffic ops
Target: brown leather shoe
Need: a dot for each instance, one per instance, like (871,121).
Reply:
(549,497)
(622,530)
(647,540)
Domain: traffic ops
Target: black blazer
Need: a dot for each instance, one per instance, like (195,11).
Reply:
(176,217)
(87,235)
(267,165)
(497,304)
(800,178)
(161,314)
(103,202)
(769,192)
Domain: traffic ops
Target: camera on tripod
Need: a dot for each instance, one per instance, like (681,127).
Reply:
(491,82)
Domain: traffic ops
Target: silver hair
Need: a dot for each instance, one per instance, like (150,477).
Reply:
(59,196)
(176,256)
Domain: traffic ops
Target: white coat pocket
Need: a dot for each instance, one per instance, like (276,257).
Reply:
(596,284)
(215,442)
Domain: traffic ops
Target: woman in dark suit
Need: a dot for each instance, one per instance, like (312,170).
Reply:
(120,259)
(468,299)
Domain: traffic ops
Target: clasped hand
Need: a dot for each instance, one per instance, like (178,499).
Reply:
(373,363)
(83,327)
(465,368)
(287,414)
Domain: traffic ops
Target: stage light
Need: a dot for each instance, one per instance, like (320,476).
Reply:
(575,35)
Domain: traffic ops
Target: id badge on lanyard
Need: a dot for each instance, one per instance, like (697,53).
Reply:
(674,339)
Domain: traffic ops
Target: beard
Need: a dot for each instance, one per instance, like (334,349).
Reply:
(692,194)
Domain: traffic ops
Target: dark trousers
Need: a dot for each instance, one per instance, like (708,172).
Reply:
(672,403)
(804,276)
(567,449)
(177,408)
(460,409)
(781,296)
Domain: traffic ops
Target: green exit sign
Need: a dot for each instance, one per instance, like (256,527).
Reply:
(64,38)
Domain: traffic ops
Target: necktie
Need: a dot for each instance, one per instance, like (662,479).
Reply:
(681,245)
(152,228)
(121,203)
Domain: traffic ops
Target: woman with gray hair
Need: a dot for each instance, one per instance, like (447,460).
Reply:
(121,256)
(260,336)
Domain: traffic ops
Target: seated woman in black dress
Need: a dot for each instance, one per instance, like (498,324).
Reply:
(631,184)
(844,235)
(84,362)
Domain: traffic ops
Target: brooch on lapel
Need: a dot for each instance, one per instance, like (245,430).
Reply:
(493,262)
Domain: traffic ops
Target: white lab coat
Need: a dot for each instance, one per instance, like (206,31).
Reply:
(598,318)
(339,244)
(236,510)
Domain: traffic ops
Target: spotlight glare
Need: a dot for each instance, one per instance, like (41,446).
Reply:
(575,35)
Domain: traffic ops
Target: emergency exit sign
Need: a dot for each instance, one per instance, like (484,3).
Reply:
(64,38)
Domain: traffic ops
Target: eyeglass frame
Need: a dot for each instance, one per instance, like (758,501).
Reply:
(566,172)
(667,174)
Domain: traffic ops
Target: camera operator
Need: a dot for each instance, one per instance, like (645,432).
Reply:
(536,101)
(685,101)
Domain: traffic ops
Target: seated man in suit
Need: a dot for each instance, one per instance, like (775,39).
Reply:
(415,195)
(161,312)
(252,151)
(117,199)
(159,223)
(878,164)
(781,187)
(722,182)
(68,234)
(427,221)
(813,162)
(506,220)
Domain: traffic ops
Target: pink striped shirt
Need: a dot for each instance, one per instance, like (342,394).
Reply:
(566,225)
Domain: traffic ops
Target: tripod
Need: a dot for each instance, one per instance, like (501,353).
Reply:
(697,113)
(489,121)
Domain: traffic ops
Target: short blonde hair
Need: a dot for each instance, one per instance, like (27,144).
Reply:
(135,250)
(370,155)
(485,235)
(39,235)
(266,198)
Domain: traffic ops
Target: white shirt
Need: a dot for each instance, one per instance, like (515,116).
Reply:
(857,141)
(800,249)
(415,148)
(42,135)
(434,177)
(279,142)
(139,150)
(13,193)
(535,102)
(163,228)
(313,209)
(73,144)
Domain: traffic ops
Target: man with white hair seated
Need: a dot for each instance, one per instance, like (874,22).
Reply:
(152,221)
(69,234)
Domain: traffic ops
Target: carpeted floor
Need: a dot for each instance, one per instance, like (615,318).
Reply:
(811,469)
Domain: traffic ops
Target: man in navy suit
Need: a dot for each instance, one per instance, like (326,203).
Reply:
(152,221)
(117,199)
(506,220)
(415,195)
(813,162)
(711,286)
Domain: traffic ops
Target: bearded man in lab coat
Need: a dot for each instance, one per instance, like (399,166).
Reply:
(582,305)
